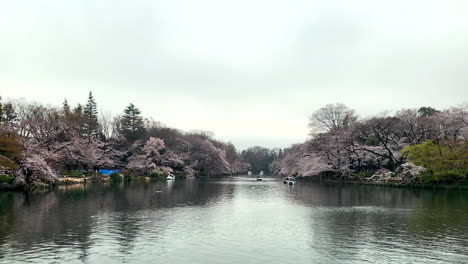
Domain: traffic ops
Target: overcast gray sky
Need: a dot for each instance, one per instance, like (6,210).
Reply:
(251,71)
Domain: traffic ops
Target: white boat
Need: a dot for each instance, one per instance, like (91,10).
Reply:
(289,180)
(170,177)
(249,173)
(261,173)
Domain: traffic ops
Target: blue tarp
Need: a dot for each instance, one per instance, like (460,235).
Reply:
(108,172)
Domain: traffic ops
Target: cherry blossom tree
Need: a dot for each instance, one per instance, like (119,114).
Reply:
(299,161)
(330,118)
(375,143)
(380,136)
(149,158)
(34,166)
(205,158)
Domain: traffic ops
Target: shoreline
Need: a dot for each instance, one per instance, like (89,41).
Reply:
(439,186)
(69,181)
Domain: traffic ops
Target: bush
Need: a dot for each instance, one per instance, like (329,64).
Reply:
(6,179)
(366,173)
(115,177)
(157,174)
(446,162)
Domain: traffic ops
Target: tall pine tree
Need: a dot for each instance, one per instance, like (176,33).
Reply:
(78,110)
(66,108)
(90,114)
(8,113)
(1,109)
(132,123)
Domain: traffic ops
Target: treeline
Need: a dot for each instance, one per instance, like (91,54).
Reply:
(37,141)
(411,146)
(260,158)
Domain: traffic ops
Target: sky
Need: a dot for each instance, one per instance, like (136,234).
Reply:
(250,71)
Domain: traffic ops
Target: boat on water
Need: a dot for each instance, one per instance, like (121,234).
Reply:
(259,177)
(249,173)
(289,180)
(170,177)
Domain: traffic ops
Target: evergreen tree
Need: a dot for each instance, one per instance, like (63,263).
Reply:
(90,113)
(132,123)
(78,110)
(427,111)
(8,113)
(66,108)
(1,109)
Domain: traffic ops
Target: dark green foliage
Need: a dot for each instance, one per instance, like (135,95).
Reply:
(427,111)
(365,173)
(260,158)
(90,113)
(132,123)
(129,178)
(6,179)
(66,108)
(116,177)
(1,110)
(8,113)
(90,110)
(78,110)
(157,174)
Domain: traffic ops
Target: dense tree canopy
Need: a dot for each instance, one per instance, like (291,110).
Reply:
(447,162)
(260,158)
(434,140)
(36,141)
(427,111)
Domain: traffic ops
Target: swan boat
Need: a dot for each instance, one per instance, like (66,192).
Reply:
(170,177)
(289,180)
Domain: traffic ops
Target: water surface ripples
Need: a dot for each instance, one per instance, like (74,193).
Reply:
(233,220)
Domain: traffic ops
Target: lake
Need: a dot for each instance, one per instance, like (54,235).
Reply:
(233,220)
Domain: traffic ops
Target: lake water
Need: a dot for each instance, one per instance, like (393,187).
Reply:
(233,220)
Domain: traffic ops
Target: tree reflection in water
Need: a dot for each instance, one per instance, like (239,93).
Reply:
(182,220)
